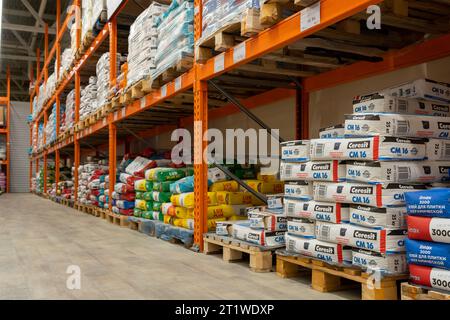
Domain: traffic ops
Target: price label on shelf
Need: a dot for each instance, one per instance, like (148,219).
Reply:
(239,52)
(219,63)
(178,83)
(143,103)
(164,91)
(310,17)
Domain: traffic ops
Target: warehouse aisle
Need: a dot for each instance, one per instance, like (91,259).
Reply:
(40,239)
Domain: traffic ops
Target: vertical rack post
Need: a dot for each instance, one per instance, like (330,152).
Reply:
(8,128)
(112,160)
(200,127)
(46,54)
(112,52)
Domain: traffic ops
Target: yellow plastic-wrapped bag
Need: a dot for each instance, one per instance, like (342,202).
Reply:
(267,177)
(266,187)
(187,200)
(231,186)
(226,197)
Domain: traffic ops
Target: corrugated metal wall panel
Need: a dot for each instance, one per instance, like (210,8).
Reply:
(20,142)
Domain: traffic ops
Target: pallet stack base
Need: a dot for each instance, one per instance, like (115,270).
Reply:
(414,292)
(329,278)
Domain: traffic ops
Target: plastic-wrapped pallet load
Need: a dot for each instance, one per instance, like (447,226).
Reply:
(142,43)
(69,113)
(218,14)
(50,129)
(102,71)
(428,243)
(66,60)
(175,36)
(88,99)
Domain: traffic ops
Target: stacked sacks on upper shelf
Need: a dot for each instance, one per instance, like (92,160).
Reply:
(66,61)
(217,14)
(103,81)
(68,116)
(428,243)
(143,43)
(50,129)
(88,98)
(175,36)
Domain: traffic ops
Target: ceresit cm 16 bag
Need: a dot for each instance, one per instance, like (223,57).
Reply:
(373,217)
(398,171)
(369,148)
(312,171)
(429,203)
(358,193)
(383,241)
(320,211)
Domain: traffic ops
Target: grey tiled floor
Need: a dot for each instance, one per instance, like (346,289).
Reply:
(40,239)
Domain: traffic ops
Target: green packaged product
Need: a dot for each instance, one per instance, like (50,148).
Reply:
(137,213)
(147,196)
(162,186)
(143,205)
(161,196)
(157,206)
(189,171)
(164,174)
(139,195)
(245,173)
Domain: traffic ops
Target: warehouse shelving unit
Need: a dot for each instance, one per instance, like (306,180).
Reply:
(6,102)
(266,67)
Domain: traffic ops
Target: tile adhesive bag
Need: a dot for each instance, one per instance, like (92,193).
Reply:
(312,171)
(430,277)
(426,253)
(357,193)
(373,217)
(429,229)
(316,210)
(369,148)
(429,203)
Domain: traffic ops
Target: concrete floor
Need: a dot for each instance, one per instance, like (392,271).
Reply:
(39,239)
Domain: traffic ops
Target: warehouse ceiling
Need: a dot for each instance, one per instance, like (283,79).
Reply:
(23,24)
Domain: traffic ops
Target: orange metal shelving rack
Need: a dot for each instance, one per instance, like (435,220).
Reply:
(276,37)
(6,101)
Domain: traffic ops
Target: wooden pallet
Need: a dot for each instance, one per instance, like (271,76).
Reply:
(172,72)
(328,278)
(126,99)
(415,292)
(141,88)
(229,35)
(261,259)
(117,219)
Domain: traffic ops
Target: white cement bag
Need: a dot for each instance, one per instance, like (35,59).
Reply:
(438,150)
(312,171)
(378,240)
(295,151)
(398,172)
(333,132)
(383,103)
(370,148)
(315,210)
(358,193)
(423,88)
(301,227)
(243,231)
(399,125)
(373,217)
(387,263)
(298,190)
(328,252)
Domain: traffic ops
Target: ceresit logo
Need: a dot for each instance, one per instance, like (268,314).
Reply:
(361,190)
(444,125)
(322,208)
(324,249)
(366,235)
(320,166)
(359,145)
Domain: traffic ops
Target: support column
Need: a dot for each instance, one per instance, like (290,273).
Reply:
(112,52)
(112,160)
(200,166)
